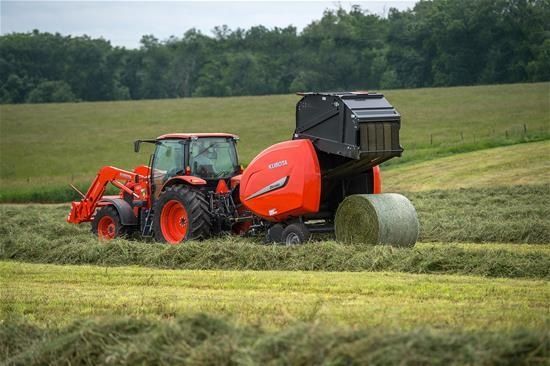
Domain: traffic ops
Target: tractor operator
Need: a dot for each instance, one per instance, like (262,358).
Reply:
(202,161)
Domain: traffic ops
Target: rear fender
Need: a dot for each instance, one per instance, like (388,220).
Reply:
(184,179)
(125,211)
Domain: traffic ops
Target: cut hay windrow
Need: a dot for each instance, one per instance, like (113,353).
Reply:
(39,233)
(512,214)
(231,254)
(204,340)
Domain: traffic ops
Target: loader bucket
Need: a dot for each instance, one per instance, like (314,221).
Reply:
(352,132)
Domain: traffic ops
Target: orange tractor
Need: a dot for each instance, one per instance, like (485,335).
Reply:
(194,187)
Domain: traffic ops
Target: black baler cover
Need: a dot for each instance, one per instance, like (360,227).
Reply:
(360,126)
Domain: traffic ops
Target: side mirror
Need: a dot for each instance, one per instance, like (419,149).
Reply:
(137,144)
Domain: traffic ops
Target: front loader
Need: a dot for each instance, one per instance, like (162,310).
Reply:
(194,187)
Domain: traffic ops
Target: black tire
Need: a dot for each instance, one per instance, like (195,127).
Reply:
(114,229)
(199,223)
(295,234)
(274,234)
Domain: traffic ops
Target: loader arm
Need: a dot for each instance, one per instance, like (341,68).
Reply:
(83,210)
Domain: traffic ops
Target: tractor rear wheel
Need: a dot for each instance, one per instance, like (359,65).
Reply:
(181,213)
(106,224)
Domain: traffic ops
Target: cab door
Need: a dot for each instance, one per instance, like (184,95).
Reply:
(168,161)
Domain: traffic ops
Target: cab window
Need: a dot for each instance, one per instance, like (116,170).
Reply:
(213,157)
(168,161)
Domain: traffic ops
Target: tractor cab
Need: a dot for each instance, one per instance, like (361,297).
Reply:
(213,158)
(207,156)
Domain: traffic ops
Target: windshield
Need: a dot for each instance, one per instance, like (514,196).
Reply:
(213,157)
(168,161)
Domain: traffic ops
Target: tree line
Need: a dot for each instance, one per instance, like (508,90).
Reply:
(436,43)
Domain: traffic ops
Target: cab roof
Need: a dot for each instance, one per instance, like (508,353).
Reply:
(197,135)
(342,94)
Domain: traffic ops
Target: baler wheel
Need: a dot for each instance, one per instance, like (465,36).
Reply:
(106,224)
(295,234)
(274,234)
(181,213)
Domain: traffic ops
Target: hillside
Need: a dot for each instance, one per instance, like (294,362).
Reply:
(523,164)
(44,147)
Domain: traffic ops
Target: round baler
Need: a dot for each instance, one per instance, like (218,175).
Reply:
(327,178)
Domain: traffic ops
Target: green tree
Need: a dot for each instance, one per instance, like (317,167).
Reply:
(436,43)
(51,92)
(539,68)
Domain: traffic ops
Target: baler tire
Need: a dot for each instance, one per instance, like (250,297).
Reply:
(295,234)
(192,207)
(274,234)
(107,225)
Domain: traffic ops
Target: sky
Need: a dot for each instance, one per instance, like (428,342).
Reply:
(125,22)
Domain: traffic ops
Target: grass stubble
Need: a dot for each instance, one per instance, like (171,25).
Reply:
(53,295)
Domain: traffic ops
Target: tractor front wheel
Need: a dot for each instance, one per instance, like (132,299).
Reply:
(106,224)
(181,213)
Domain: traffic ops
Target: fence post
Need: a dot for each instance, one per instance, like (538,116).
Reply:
(431,139)
(524,129)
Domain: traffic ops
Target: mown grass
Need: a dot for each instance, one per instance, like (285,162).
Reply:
(38,233)
(523,164)
(515,214)
(516,248)
(318,256)
(52,294)
(206,340)
(45,147)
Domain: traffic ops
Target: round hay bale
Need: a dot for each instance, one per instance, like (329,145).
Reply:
(387,218)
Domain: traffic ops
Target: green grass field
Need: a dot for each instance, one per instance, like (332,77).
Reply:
(118,315)
(523,164)
(60,294)
(45,147)
(475,290)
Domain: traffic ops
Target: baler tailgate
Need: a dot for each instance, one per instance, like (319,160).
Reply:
(360,130)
